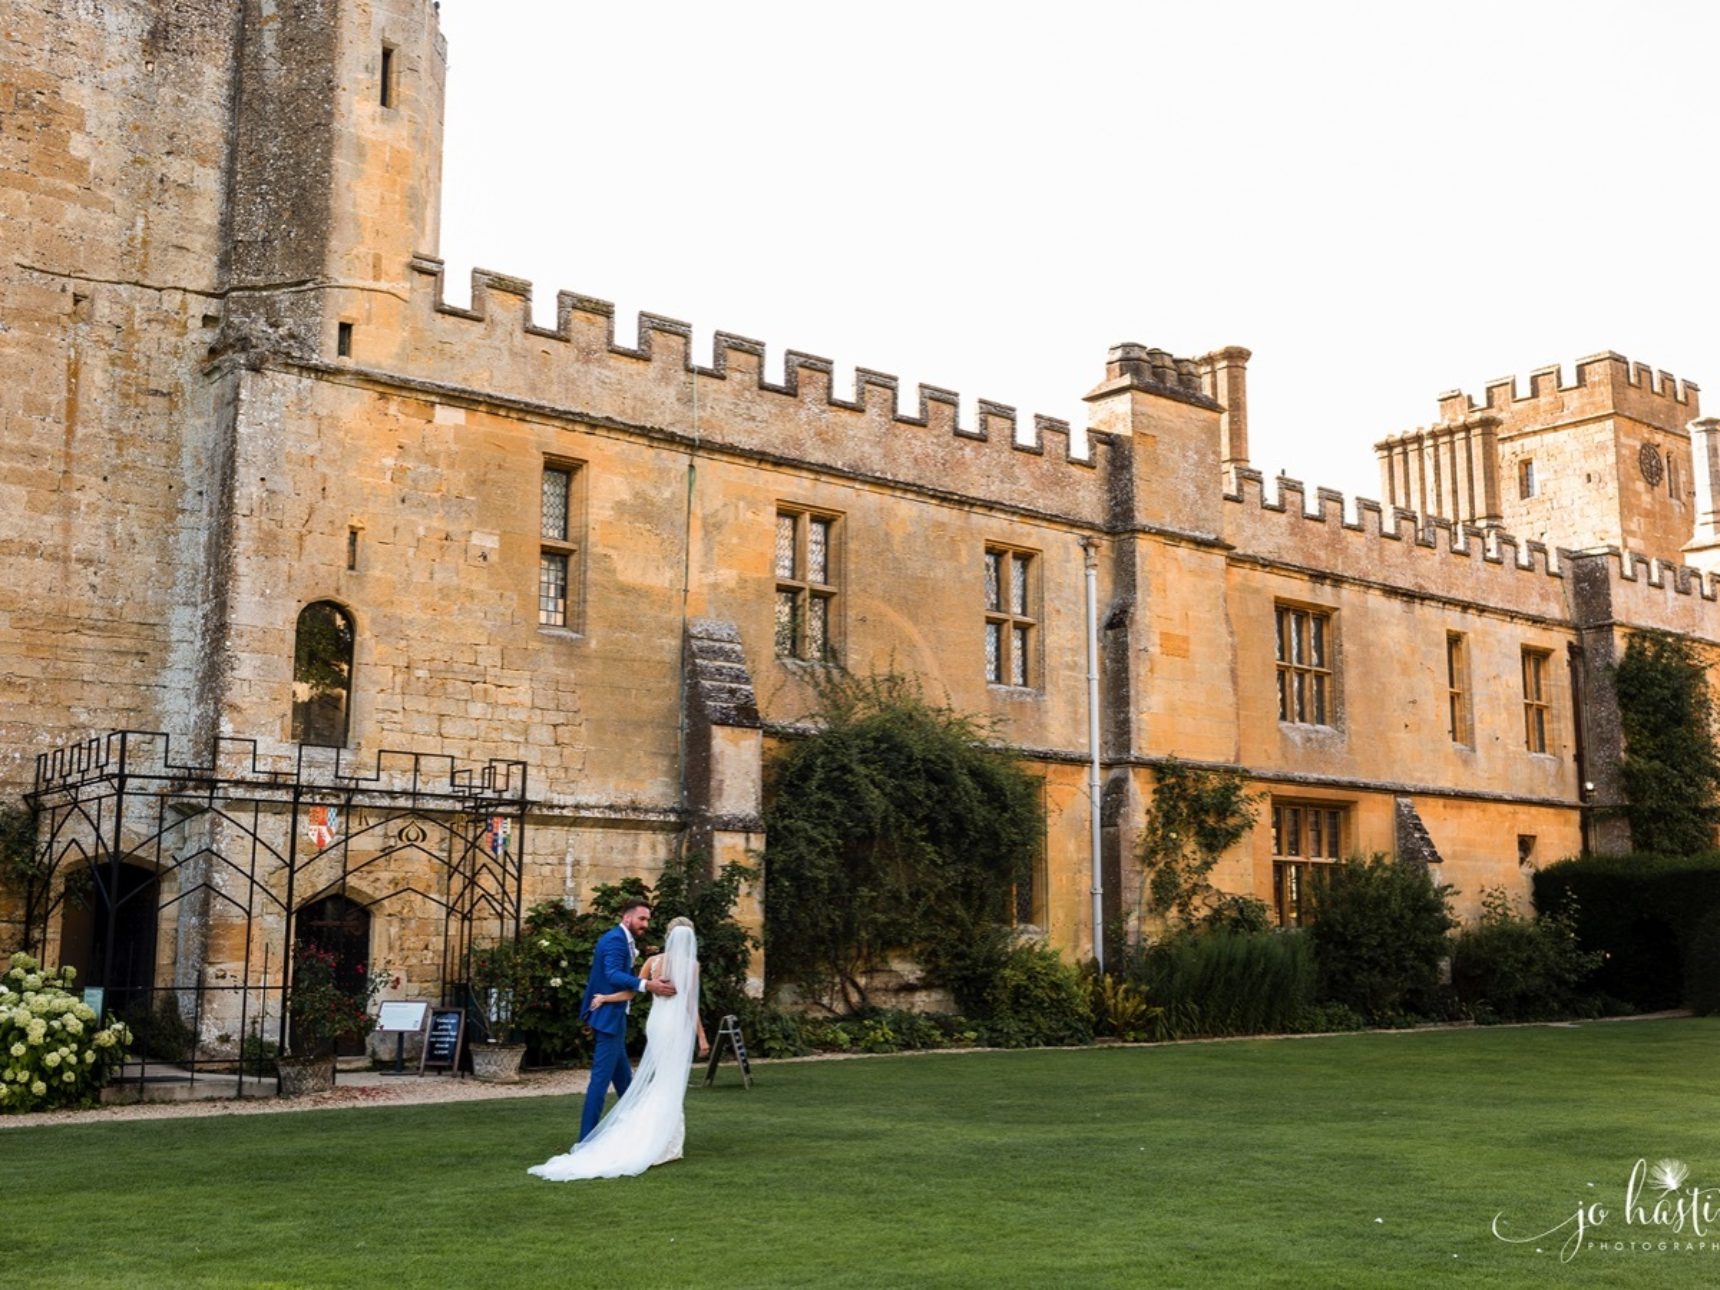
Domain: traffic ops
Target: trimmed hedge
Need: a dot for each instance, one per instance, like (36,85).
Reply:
(1649,915)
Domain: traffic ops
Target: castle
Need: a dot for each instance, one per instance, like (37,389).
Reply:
(414,613)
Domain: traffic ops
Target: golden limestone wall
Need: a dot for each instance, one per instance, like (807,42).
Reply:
(1601,459)
(113,143)
(236,384)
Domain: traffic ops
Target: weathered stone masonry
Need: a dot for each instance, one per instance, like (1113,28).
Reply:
(235,384)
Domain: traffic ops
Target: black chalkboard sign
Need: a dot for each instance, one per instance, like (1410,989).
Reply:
(729,1032)
(442,1040)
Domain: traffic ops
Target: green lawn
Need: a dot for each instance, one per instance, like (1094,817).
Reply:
(1364,1160)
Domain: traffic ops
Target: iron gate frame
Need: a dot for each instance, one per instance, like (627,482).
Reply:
(118,798)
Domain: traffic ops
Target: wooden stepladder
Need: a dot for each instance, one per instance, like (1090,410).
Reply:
(729,1032)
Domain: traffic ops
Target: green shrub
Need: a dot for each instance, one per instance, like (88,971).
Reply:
(557,944)
(1509,968)
(1120,1008)
(1324,1018)
(688,889)
(1671,768)
(1227,983)
(1379,934)
(898,828)
(1702,966)
(1642,912)
(160,1034)
(1233,913)
(771,1032)
(1036,1000)
(53,1052)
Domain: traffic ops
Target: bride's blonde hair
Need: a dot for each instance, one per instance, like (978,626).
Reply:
(680,922)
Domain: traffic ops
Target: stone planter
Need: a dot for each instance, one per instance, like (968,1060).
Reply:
(302,1076)
(497,1063)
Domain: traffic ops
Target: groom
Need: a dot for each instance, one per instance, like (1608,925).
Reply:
(612,970)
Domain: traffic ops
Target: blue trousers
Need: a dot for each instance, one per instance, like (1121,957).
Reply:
(608,1066)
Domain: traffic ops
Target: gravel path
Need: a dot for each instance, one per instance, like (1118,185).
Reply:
(359,1088)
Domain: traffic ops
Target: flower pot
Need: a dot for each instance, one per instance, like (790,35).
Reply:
(302,1076)
(497,1063)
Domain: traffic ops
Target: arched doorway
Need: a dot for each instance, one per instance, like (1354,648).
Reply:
(340,926)
(126,969)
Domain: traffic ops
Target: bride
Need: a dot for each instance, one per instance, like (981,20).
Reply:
(648,1125)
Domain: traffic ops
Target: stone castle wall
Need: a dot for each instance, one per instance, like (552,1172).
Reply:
(237,385)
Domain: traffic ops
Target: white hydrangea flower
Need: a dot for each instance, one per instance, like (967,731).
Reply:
(33,981)
(555,983)
(69,1078)
(89,1056)
(18,1050)
(38,1088)
(52,1060)
(72,1025)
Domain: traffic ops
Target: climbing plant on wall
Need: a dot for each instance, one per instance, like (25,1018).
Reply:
(896,828)
(1671,766)
(1198,814)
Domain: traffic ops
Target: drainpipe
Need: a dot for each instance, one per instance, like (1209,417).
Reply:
(1090,549)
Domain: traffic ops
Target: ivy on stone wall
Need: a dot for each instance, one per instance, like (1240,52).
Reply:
(895,829)
(1197,815)
(1671,767)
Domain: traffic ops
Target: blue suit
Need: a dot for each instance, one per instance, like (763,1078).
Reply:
(611,970)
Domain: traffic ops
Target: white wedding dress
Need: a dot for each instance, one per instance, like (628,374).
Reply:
(648,1125)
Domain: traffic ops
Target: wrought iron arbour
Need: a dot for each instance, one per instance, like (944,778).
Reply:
(246,840)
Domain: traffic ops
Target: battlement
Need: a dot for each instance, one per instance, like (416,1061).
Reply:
(1486,567)
(1601,382)
(1389,545)
(587,326)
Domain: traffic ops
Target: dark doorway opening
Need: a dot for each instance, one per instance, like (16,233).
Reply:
(126,965)
(340,926)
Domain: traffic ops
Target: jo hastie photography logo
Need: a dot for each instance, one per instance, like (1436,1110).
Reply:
(1662,1211)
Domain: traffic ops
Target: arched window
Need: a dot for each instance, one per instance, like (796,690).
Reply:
(322,674)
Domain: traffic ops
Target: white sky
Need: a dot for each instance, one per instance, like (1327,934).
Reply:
(1382,201)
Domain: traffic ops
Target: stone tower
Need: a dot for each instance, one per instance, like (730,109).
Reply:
(1603,460)
(186,188)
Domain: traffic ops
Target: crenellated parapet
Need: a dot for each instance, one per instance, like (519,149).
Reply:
(1389,547)
(653,379)
(1601,383)
(1392,548)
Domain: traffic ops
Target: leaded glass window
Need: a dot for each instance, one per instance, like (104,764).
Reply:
(559,525)
(806,569)
(1010,621)
(1307,838)
(1301,646)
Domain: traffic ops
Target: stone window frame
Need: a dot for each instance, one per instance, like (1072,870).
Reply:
(1460,709)
(1315,681)
(1526,481)
(1317,830)
(810,599)
(388,78)
(1013,613)
(1538,730)
(561,547)
(321,713)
